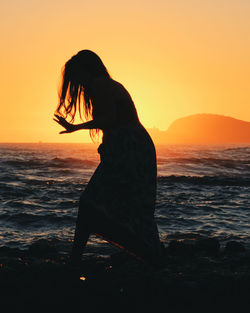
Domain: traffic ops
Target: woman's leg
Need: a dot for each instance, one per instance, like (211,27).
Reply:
(82,231)
(86,216)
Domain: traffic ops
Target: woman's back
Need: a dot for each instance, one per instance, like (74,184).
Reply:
(112,101)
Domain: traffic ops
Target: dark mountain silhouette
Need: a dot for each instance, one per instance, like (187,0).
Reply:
(204,129)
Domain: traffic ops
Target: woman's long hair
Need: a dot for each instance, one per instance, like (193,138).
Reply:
(75,93)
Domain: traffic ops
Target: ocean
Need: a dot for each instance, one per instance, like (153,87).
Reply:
(203,191)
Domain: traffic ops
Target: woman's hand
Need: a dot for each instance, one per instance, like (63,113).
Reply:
(69,128)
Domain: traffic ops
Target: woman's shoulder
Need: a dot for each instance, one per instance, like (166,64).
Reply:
(109,85)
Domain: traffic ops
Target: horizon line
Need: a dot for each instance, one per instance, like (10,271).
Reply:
(156,144)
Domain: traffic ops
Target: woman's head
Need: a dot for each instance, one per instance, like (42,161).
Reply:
(78,74)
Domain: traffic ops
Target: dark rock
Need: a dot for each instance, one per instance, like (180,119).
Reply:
(233,247)
(208,246)
(180,248)
(42,248)
(6,251)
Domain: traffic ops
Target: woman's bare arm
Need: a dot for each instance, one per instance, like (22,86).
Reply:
(93,124)
(104,107)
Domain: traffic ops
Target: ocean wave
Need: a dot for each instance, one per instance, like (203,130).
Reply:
(242,164)
(55,162)
(206,180)
(238,149)
(25,219)
(218,162)
(68,162)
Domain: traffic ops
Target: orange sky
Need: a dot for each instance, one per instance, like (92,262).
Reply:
(175,58)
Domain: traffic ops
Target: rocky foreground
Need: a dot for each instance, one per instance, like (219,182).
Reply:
(194,276)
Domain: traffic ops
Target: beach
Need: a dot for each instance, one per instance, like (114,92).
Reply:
(196,276)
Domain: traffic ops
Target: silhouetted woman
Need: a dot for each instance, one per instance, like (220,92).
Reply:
(119,201)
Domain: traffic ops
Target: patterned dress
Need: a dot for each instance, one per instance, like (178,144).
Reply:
(122,191)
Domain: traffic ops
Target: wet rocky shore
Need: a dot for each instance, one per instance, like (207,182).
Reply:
(193,276)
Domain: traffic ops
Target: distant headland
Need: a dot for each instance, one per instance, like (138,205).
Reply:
(203,129)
